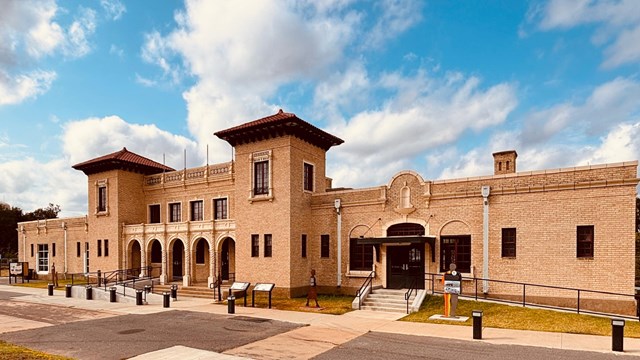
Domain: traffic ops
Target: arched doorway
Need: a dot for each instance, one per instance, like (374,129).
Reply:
(155,258)
(405,263)
(177,260)
(228,260)
(135,258)
(202,261)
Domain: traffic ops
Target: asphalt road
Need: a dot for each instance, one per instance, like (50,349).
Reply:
(124,336)
(384,346)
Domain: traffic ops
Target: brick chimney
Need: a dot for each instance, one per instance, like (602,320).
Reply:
(504,162)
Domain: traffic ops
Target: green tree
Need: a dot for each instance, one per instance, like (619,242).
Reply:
(10,216)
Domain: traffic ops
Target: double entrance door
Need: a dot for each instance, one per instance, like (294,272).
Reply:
(404,265)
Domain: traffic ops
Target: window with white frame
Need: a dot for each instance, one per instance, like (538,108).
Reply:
(43,258)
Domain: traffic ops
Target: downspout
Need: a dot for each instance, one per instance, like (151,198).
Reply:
(485,238)
(24,244)
(339,231)
(64,228)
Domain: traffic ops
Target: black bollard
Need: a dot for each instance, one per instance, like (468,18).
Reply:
(174,292)
(138,297)
(67,290)
(231,303)
(617,334)
(50,289)
(477,324)
(165,299)
(112,294)
(89,293)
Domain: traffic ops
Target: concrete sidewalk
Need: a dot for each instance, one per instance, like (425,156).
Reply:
(323,332)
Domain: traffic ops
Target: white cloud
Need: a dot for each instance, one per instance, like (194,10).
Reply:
(83,26)
(396,17)
(618,25)
(110,134)
(117,51)
(144,81)
(114,8)
(14,90)
(609,104)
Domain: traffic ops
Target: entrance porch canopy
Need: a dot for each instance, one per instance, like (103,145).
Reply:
(420,239)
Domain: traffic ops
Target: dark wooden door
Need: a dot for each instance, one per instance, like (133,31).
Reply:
(224,260)
(178,254)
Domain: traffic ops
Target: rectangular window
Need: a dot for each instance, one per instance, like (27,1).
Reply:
(106,247)
(324,246)
(267,245)
(303,243)
(43,257)
(197,211)
(154,214)
(102,198)
(99,247)
(261,178)
(457,250)
(360,256)
(585,241)
(255,245)
(78,251)
(174,212)
(53,249)
(220,209)
(31,250)
(308,177)
(509,242)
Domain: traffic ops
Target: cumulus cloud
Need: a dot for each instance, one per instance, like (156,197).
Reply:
(112,133)
(396,17)
(618,25)
(14,90)
(609,104)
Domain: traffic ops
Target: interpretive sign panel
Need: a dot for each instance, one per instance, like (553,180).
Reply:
(239,286)
(264,287)
(452,287)
(15,268)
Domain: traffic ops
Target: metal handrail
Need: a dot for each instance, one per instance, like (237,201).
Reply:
(216,285)
(414,286)
(369,281)
(524,301)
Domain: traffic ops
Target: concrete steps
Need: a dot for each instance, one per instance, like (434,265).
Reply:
(388,300)
(196,291)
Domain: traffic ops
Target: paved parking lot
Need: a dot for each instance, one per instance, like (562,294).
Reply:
(86,334)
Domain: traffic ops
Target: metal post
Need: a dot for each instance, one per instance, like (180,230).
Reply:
(174,292)
(89,293)
(617,334)
(50,289)
(138,297)
(112,294)
(253,298)
(269,299)
(231,304)
(477,324)
(165,299)
(67,290)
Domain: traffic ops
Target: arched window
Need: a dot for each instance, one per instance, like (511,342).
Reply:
(405,195)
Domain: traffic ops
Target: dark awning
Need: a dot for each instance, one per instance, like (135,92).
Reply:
(431,240)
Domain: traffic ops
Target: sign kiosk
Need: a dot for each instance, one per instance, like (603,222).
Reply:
(18,269)
(239,289)
(261,287)
(452,281)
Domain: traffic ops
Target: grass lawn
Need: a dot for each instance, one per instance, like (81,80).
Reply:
(329,304)
(42,284)
(4,272)
(521,318)
(14,352)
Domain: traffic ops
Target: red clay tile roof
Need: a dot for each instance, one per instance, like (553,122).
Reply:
(122,160)
(279,124)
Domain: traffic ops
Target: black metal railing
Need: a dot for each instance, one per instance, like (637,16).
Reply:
(367,282)
(216,286)
(513,298)
(413,287)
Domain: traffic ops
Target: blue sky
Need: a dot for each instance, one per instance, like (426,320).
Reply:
(433,86)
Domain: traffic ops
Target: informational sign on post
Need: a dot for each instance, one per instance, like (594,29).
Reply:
(451,286)
(16,269)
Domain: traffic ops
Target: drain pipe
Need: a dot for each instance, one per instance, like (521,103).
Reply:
(337,204)
(485,238)
(64,228)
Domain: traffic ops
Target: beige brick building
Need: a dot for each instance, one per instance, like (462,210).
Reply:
(271,215)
